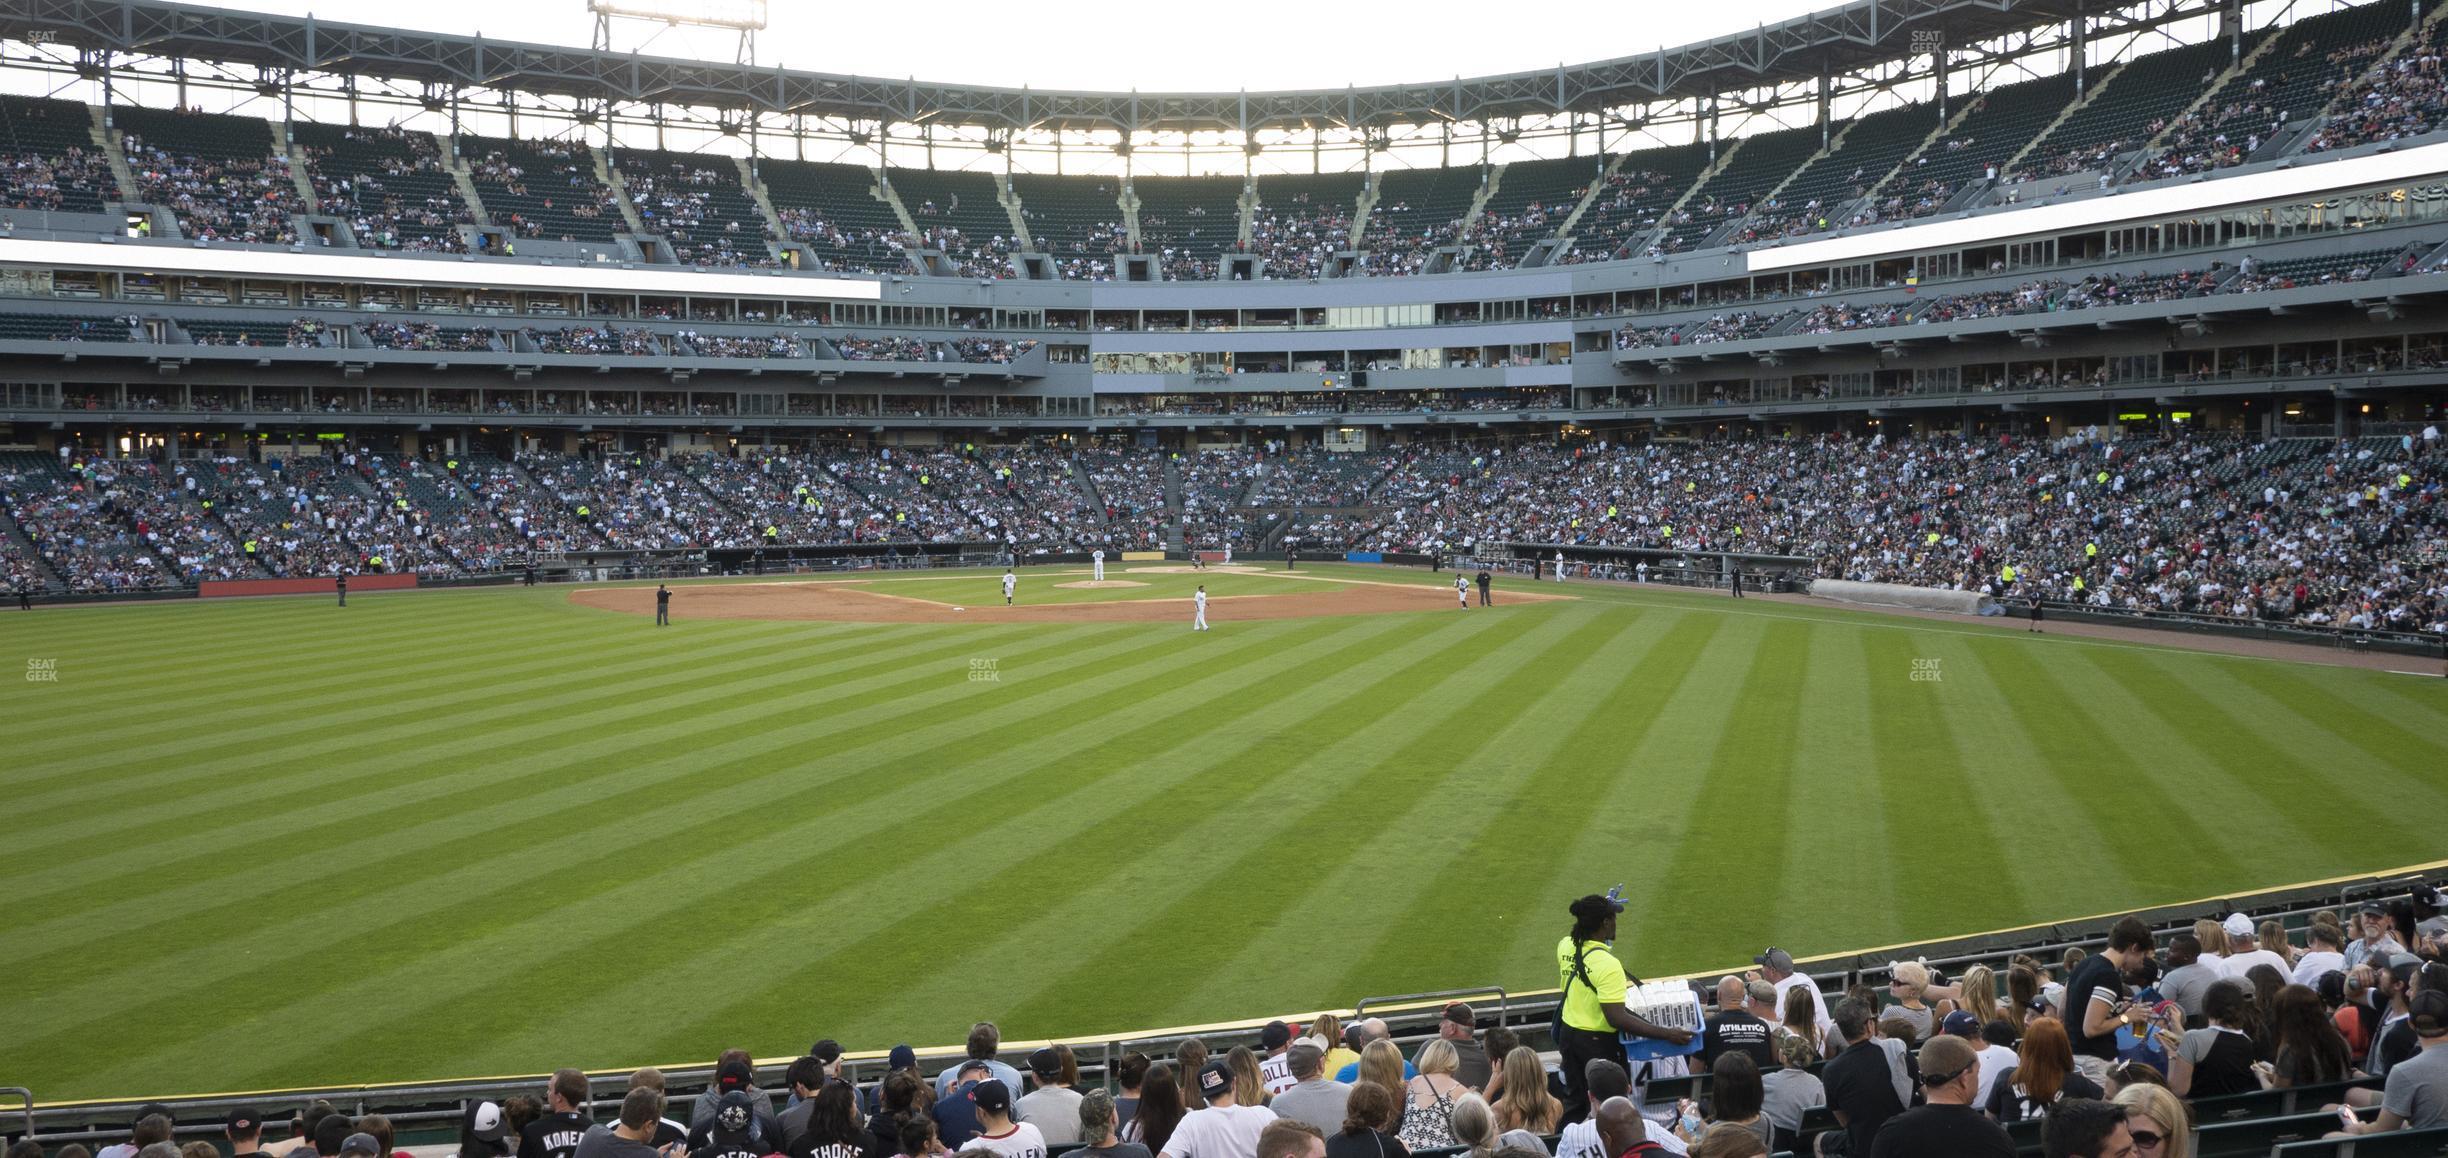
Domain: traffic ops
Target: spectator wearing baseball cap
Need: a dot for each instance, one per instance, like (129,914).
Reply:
(732,1132)
(1312,1097)
(1946,1125)
(484,1131)
(2244,949)
(955,1114)
(997,1132)
(2374,936)
(1460,1025)
(2416,1093)
(244,1129)
(734,1071)
(1098,1130)
(1053,1107)
(1225,1128)
(364,1145)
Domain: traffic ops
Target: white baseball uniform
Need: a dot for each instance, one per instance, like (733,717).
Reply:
(1228,552)
(1462,590)
(1099,556)
(1199,621)
(1009,582)
(1559,566)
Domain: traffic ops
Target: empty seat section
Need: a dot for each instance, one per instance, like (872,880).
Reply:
(832,210)
(1417,210)
(1188,223)
(1531,201)
(1076,219)
(1634,200)
(1760,165)
(1818,197)
(961,214)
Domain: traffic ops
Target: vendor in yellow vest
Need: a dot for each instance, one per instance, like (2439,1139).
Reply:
(1594,1016)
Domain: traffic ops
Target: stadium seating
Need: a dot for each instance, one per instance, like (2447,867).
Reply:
(1417,210)
(1817,197)
(542,189)
(1188,223)
(827,208)
(224,176)
(2302,67)
(48,159)
(1077,220)
(1633,202)
(2402,97)
(389,183)
(62,328)
(1530,203)
(2127,114)
(1758,167)
(1303,220)
(959,213)
(1999,123)
(695,200)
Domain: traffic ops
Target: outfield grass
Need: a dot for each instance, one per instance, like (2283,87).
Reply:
(270,843)
(1042,585)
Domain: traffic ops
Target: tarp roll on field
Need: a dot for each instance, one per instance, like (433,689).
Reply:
(1900,595)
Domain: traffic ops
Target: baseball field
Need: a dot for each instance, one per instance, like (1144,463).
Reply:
(266,843)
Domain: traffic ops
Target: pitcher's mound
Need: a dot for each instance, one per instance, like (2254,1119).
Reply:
(1100,583)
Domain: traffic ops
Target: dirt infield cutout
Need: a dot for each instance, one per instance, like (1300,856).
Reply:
(850,603)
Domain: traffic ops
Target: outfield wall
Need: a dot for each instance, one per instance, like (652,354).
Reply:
(223,588)
(1900,595)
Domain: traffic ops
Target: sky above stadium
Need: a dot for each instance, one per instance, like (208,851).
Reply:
(1113,45)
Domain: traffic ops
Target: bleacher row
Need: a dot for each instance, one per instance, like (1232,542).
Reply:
(2362,956)
(2341,78)
(2343,533)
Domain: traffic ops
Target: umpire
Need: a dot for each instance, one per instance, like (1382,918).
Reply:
(1592,1016)
(662,605)
(1485,581)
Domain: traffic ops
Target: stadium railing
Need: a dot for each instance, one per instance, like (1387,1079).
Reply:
(430,1111)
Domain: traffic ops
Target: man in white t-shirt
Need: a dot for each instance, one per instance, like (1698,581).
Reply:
(2244,949)
(2327,954)
(1776,967)
(997,1133)
(1606,1081)
(1223,1129)
(1994,1054)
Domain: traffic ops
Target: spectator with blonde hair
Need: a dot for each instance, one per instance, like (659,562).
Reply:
(1526,1104)
(1907,982)
(1430,1098)
(1383,1064)
(2159,1121)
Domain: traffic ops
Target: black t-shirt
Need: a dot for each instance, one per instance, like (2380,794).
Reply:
(1860,1083)
(1736,1031)
(721,1143)
(553,1136)
(1365,1144)
(2008,1106)
(2096,974)
(2395,1044)
(1942,1132)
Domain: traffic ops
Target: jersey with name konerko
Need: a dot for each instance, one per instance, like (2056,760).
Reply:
(553,1135)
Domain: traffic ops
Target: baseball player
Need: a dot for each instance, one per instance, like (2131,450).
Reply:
(1099,557)
(1198,603)
(1462,590)
(1228,552)
(1009,581)
(1559,566)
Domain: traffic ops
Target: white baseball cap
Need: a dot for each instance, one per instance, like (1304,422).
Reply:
(2239,925)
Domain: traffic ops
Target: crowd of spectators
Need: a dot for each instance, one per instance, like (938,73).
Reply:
(676,202)
(375,213)
(246,199)
(570,186)
(2405,97)
(1300,238)
(35,180)
(424,336)
(606,339)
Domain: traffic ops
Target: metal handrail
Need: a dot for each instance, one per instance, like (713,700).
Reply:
(25,1096)
(1438,995)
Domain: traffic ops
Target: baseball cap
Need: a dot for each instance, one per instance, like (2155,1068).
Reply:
(243,1121)
(733,1111)
(827,1051)
(1961,1024)
(1775,958)
(2426,896)
(1044,1062)
(1215,1078)
(2430,1013)
(733,1075)
(361,1144)
(991,1094)
(903,1057)
(2238,925)
(2373,909)
(1761,991)
(1275,1035)
(484,1121)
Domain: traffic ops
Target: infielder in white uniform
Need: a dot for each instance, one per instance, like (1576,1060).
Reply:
(1228,552)
(1099,556)
(1009,581)
(1199,601)
(1462,590)
(1559,566)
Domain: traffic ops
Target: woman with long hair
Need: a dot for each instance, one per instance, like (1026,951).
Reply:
(1591,1018)
(833,1126)
(2213,938)
(1191,1057)
(1800,1017)
(1526,1104)
(1382,1063)
(2266,981)
(2216,1059)
(2022,988)
(1249,1087)
(2311,1051)
(1160,1110)
(2160,1122)
(1976,994)
(903,1095)
(1328,1030)
(916,1138)
(1368,1124)
(2273,937)
(2043,1074)
(1474,1126)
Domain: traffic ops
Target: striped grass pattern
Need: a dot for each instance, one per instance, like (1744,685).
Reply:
(273,843)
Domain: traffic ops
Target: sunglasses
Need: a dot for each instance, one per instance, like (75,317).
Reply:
(1934,1081)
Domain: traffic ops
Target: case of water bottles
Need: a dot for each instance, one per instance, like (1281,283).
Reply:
(1668,1005)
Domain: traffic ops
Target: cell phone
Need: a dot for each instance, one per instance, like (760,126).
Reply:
(2346,1115)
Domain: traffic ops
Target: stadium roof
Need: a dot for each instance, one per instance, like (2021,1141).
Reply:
(1828,42)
